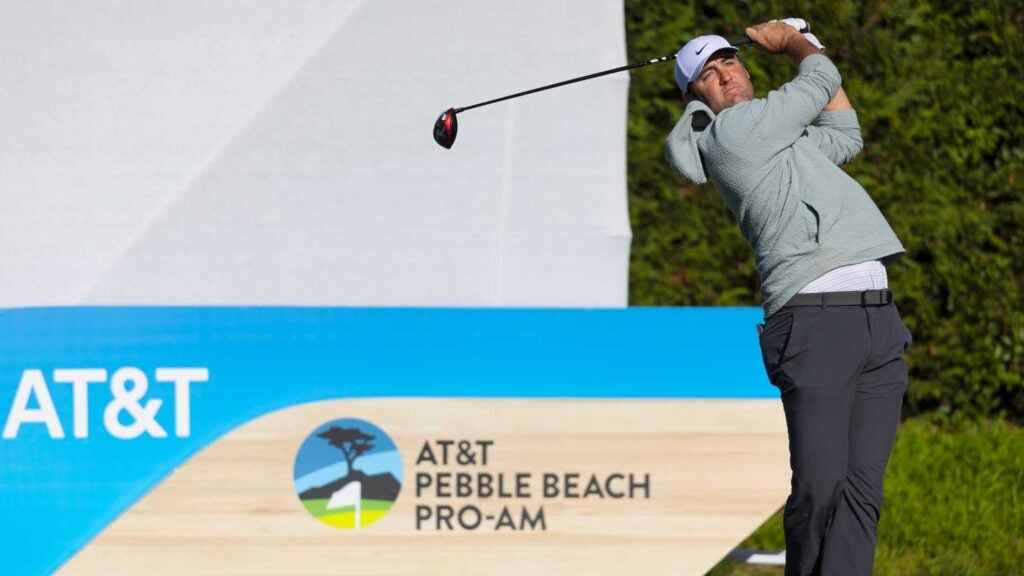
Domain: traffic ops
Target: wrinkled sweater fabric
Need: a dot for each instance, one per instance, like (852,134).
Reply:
(775,161)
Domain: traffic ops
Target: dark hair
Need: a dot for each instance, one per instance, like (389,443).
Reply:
(689,94)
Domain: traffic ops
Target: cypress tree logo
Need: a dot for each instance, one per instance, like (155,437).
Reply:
(334,488)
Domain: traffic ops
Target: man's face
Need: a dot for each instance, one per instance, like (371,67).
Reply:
(723,82)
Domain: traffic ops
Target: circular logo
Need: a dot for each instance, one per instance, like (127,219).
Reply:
(348,473)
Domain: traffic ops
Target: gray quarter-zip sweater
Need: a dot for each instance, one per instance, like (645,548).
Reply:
(775,161)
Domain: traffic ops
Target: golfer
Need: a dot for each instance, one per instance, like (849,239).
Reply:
(832,341)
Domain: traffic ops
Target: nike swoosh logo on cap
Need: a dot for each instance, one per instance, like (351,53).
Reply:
(702,48)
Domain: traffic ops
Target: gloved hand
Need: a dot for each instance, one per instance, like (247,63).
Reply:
(800,24)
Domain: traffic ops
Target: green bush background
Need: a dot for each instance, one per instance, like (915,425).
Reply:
(954,504)
(939,92)
(939,89)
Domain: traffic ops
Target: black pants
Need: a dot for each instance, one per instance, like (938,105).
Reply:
(842,376)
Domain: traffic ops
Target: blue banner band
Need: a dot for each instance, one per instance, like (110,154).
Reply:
(100,404)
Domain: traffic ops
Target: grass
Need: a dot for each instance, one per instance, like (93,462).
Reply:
(345,516)
(954,505)
(318,507)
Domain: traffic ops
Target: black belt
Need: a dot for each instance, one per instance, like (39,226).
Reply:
(824,299)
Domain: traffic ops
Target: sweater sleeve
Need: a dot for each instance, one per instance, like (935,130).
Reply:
(837,134)
(784,115)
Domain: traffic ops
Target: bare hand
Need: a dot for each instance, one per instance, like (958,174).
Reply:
(772,37)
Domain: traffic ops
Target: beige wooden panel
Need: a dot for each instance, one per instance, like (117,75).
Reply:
(718,468)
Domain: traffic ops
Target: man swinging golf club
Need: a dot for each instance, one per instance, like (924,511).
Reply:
(832,341)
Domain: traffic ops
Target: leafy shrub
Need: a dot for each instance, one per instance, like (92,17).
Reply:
(938,90)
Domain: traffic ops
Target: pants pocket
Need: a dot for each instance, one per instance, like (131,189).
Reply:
(775,339)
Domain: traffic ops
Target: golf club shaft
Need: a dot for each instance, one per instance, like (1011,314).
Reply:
(574,80)
(736,42)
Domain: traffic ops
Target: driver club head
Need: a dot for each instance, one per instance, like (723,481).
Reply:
(446,128)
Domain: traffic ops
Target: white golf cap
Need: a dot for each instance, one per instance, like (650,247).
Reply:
(691,58)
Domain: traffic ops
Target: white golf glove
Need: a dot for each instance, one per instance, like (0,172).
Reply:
(800,24)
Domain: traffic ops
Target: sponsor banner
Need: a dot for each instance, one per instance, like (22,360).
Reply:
(556,429)
(462,486)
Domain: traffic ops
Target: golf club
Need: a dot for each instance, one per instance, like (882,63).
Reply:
(447,126)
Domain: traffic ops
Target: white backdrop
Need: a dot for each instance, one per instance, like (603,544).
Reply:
(268,152)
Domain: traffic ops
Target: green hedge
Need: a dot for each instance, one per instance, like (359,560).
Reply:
(954,504)
(938,88)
